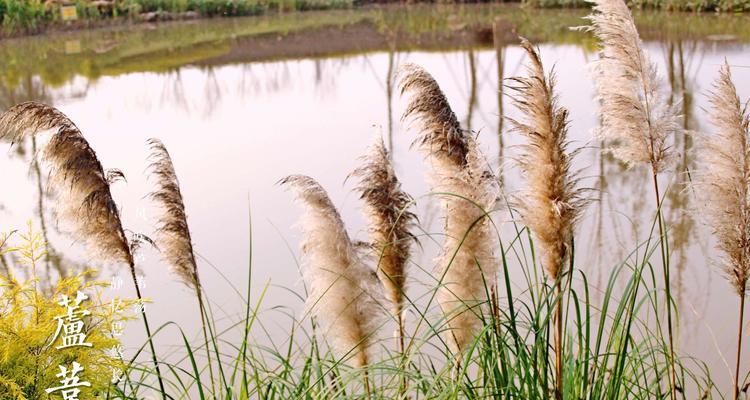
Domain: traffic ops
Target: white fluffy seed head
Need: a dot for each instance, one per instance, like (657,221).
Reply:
(390,221)
(551,202)
(722,180)
(636,117)
(458,170)
(343,292)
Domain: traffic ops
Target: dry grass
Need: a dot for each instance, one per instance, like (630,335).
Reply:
(343,290)
(390,225)
(459,173)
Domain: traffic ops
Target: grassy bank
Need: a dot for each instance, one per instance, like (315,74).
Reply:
(18,17)
(724,6)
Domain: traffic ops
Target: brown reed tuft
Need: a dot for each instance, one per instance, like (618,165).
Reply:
(390,224)
(722,185)
(78,178)
(467,188)
(173,232)
(441,132)
(343,291)
(551,202)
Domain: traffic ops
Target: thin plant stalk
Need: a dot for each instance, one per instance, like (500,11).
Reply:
(558,339)
(667,286)
(739,348)
(148,331)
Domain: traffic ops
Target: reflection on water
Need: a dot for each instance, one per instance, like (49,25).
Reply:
(243,102)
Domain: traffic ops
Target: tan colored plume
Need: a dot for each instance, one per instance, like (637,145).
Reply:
(723,177)
(390,221)
(343,291)
(635,112)
(467,187)
(173,233)
(81,185)
(551,203)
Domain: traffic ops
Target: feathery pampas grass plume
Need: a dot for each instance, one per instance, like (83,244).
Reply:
(390,224)
(635,113)
(81,184)
(343,291)
(173,234)
(82,188)
(467,263)
(551,203)
(722,182)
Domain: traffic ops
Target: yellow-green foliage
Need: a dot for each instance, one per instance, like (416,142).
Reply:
(29,362)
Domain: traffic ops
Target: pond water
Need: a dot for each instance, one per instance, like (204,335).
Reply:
(241,103)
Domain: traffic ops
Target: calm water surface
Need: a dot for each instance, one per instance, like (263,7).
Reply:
(241,103)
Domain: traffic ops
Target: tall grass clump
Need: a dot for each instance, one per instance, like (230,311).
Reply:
(82,189)
(723,185)
(467,188)
(24,15)
(344,292)
(390,225)
(551,203)
(173,234)
(636,116)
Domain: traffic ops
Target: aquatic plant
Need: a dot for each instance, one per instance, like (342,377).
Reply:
(344,292)
(551,202)
(173,234)
(390,225)
(637,117)
(467,188)
(722,184)
(82,189)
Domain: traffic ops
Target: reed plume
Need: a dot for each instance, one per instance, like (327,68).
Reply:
(635,114)
(82,188)
(343,291)
(722,183)
(551,203)
(458,172)
(173,232)
(390,224)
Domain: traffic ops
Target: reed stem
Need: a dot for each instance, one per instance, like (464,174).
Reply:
(366,381)
(739,348)
(204,316)
(402,351)
(667,284)
(558,341)
(148,332)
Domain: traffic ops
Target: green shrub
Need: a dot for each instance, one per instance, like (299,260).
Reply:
(24,16)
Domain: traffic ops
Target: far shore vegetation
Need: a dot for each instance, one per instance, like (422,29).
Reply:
(25,17)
